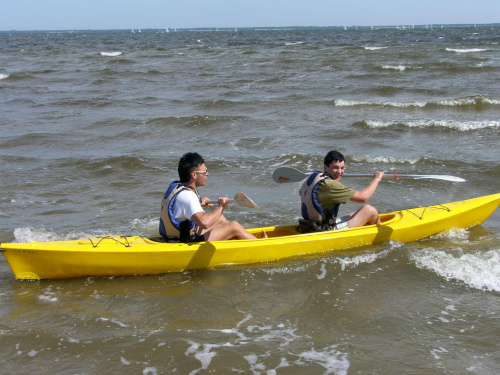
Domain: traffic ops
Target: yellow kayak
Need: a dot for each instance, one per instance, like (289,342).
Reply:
(135,255)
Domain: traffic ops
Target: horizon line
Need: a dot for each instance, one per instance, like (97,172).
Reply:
(229,28)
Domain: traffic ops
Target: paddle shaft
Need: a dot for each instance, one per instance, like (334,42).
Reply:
(288,174)
(230,201)
(241,199)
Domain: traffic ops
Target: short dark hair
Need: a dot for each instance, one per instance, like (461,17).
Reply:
(333,156)
(187,163)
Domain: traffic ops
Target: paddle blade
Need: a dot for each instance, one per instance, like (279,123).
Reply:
(397,176)
(287,174)
(244,201)
(427,176)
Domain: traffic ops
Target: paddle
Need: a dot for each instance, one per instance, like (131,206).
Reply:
(288,174)
(242,200)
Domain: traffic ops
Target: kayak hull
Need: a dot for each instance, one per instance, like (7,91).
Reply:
(135,255)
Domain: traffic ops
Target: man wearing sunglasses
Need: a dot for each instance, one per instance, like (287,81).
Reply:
(182,217)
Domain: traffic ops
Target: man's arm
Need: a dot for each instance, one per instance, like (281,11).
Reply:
(206,220)
(362,196)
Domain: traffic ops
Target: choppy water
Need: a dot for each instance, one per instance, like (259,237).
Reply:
(93,125)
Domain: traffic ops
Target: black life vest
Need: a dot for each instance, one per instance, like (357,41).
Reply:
(311,209)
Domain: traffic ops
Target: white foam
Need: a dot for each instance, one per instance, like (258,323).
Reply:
(467,101)
(451,308)
(28,234)
(332,360)
(401,68)
(348,103)
(354,261)
(204,356)
(149,226)
(47,298)
(111,54)
(150,370)
(280,335)
(467,50)
(124,361)
(436,352)
(286,269)
(374,48)
(114,320)
(323,271)
(352,103)
(457,234)
(451,124)
(384,160)
(4,76)
(479,270)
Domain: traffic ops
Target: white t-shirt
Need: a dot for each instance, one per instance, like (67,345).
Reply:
(186,205)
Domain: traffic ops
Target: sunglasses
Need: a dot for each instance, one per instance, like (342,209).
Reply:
(202,172)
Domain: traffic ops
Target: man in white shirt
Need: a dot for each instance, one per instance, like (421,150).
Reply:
(182,215)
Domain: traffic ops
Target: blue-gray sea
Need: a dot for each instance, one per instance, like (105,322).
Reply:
(93,125)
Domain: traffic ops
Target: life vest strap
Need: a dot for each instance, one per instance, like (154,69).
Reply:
(311,226)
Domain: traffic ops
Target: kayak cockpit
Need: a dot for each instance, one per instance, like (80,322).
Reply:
(290,230)
(386,218)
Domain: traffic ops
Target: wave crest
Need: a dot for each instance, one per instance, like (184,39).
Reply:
(384,160)
(468,50)
(477,102)
(450,124)
(479,270)
(111,54)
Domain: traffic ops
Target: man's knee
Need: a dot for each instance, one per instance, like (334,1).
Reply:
(371,214)
(235,227)
(372,211)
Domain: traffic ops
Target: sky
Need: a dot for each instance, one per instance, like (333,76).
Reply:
(161,14)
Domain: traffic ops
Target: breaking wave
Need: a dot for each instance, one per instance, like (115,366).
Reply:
(468,50)
(111,54)
(479,270)
(450,124)
(385,160)
(476,102)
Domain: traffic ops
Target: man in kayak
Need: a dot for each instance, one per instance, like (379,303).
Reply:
(322,193)
(182,216)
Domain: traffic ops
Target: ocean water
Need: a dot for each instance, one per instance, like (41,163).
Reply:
(94,123)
